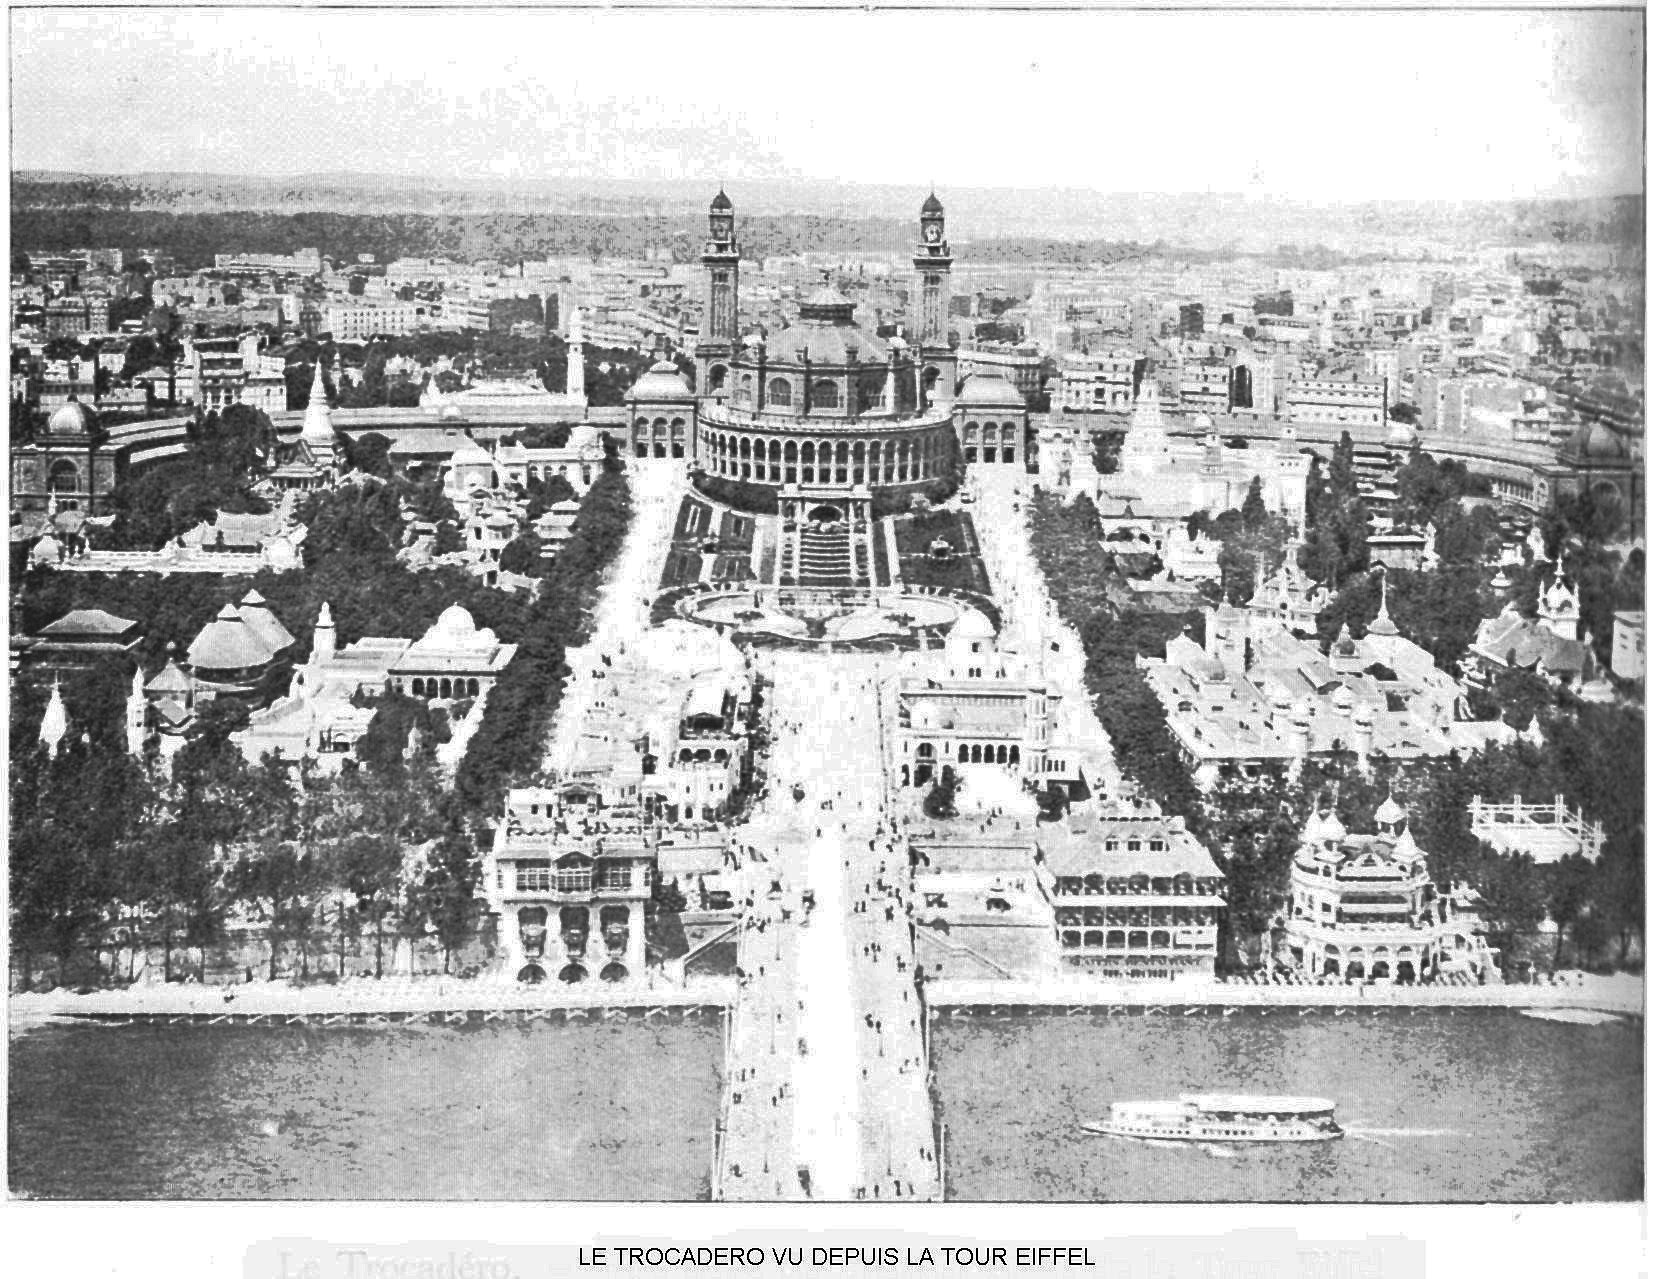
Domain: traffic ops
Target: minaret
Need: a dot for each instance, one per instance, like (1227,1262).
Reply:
(55,723)
(576,355)
(136,714)
(722,260)
(324,637)
(931,320)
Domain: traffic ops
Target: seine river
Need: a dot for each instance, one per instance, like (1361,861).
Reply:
(1474,1106)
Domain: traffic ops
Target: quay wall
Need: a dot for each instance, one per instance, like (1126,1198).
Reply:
(392,1002)
(1622,996)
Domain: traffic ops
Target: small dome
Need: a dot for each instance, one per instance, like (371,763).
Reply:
(972,625)
(1342,697)
(451,412)
(456,620)
(721,203)
(1313,830)
(71,418)
(1591,442)
(1344,644)
(932,204)
(1203,423)
(1389,813)
(661,382)
(988,389)
(1406,847)
(1331,828)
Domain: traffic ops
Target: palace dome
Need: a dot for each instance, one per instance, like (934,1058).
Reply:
(455,622)
(988,389)
(661,382)
(827,330)
(71,418)
(972,625)
(1590,442)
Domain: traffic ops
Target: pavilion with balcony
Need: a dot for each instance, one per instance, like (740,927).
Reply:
(1135,896)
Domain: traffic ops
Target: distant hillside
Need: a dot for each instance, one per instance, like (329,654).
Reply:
(362,213)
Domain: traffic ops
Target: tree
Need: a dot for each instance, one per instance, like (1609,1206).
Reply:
(1257,841)
(369,453)
(1341,475)
(940,799)
(275,871)
(1513,898)
(523,555)
(1568,897)
(365,849)
(449,883)
(1254,510)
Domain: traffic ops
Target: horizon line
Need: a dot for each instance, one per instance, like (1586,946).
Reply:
(317,175)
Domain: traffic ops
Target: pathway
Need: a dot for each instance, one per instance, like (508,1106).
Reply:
(826,1092)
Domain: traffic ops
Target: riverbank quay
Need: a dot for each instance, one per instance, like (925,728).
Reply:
(458,1001)
(389,1001)
(1617,995)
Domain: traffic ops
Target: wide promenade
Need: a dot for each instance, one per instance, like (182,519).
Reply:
(826,1074)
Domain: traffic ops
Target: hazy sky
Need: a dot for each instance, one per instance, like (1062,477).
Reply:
(1321,105)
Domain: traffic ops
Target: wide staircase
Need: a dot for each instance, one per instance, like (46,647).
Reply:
(824,556)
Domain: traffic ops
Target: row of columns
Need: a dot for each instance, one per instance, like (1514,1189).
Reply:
(739,456)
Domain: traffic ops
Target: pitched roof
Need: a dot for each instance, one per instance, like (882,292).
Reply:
(228,643)
(1513,640)
(170,679)
(255,611)
(88,621)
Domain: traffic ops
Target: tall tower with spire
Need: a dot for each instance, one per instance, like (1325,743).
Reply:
(933,261)
(722,260)
(576,355)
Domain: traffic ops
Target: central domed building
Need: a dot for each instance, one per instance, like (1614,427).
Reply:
(822,419)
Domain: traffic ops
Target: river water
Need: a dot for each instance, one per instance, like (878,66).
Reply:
(1473,1106)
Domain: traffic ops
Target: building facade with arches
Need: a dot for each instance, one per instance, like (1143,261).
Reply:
(568,883)
(973,706)
(69,461)
(1364,906)
(823,412)
(454,659)
(1134,894)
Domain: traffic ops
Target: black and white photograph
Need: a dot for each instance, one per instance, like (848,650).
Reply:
(713,605)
